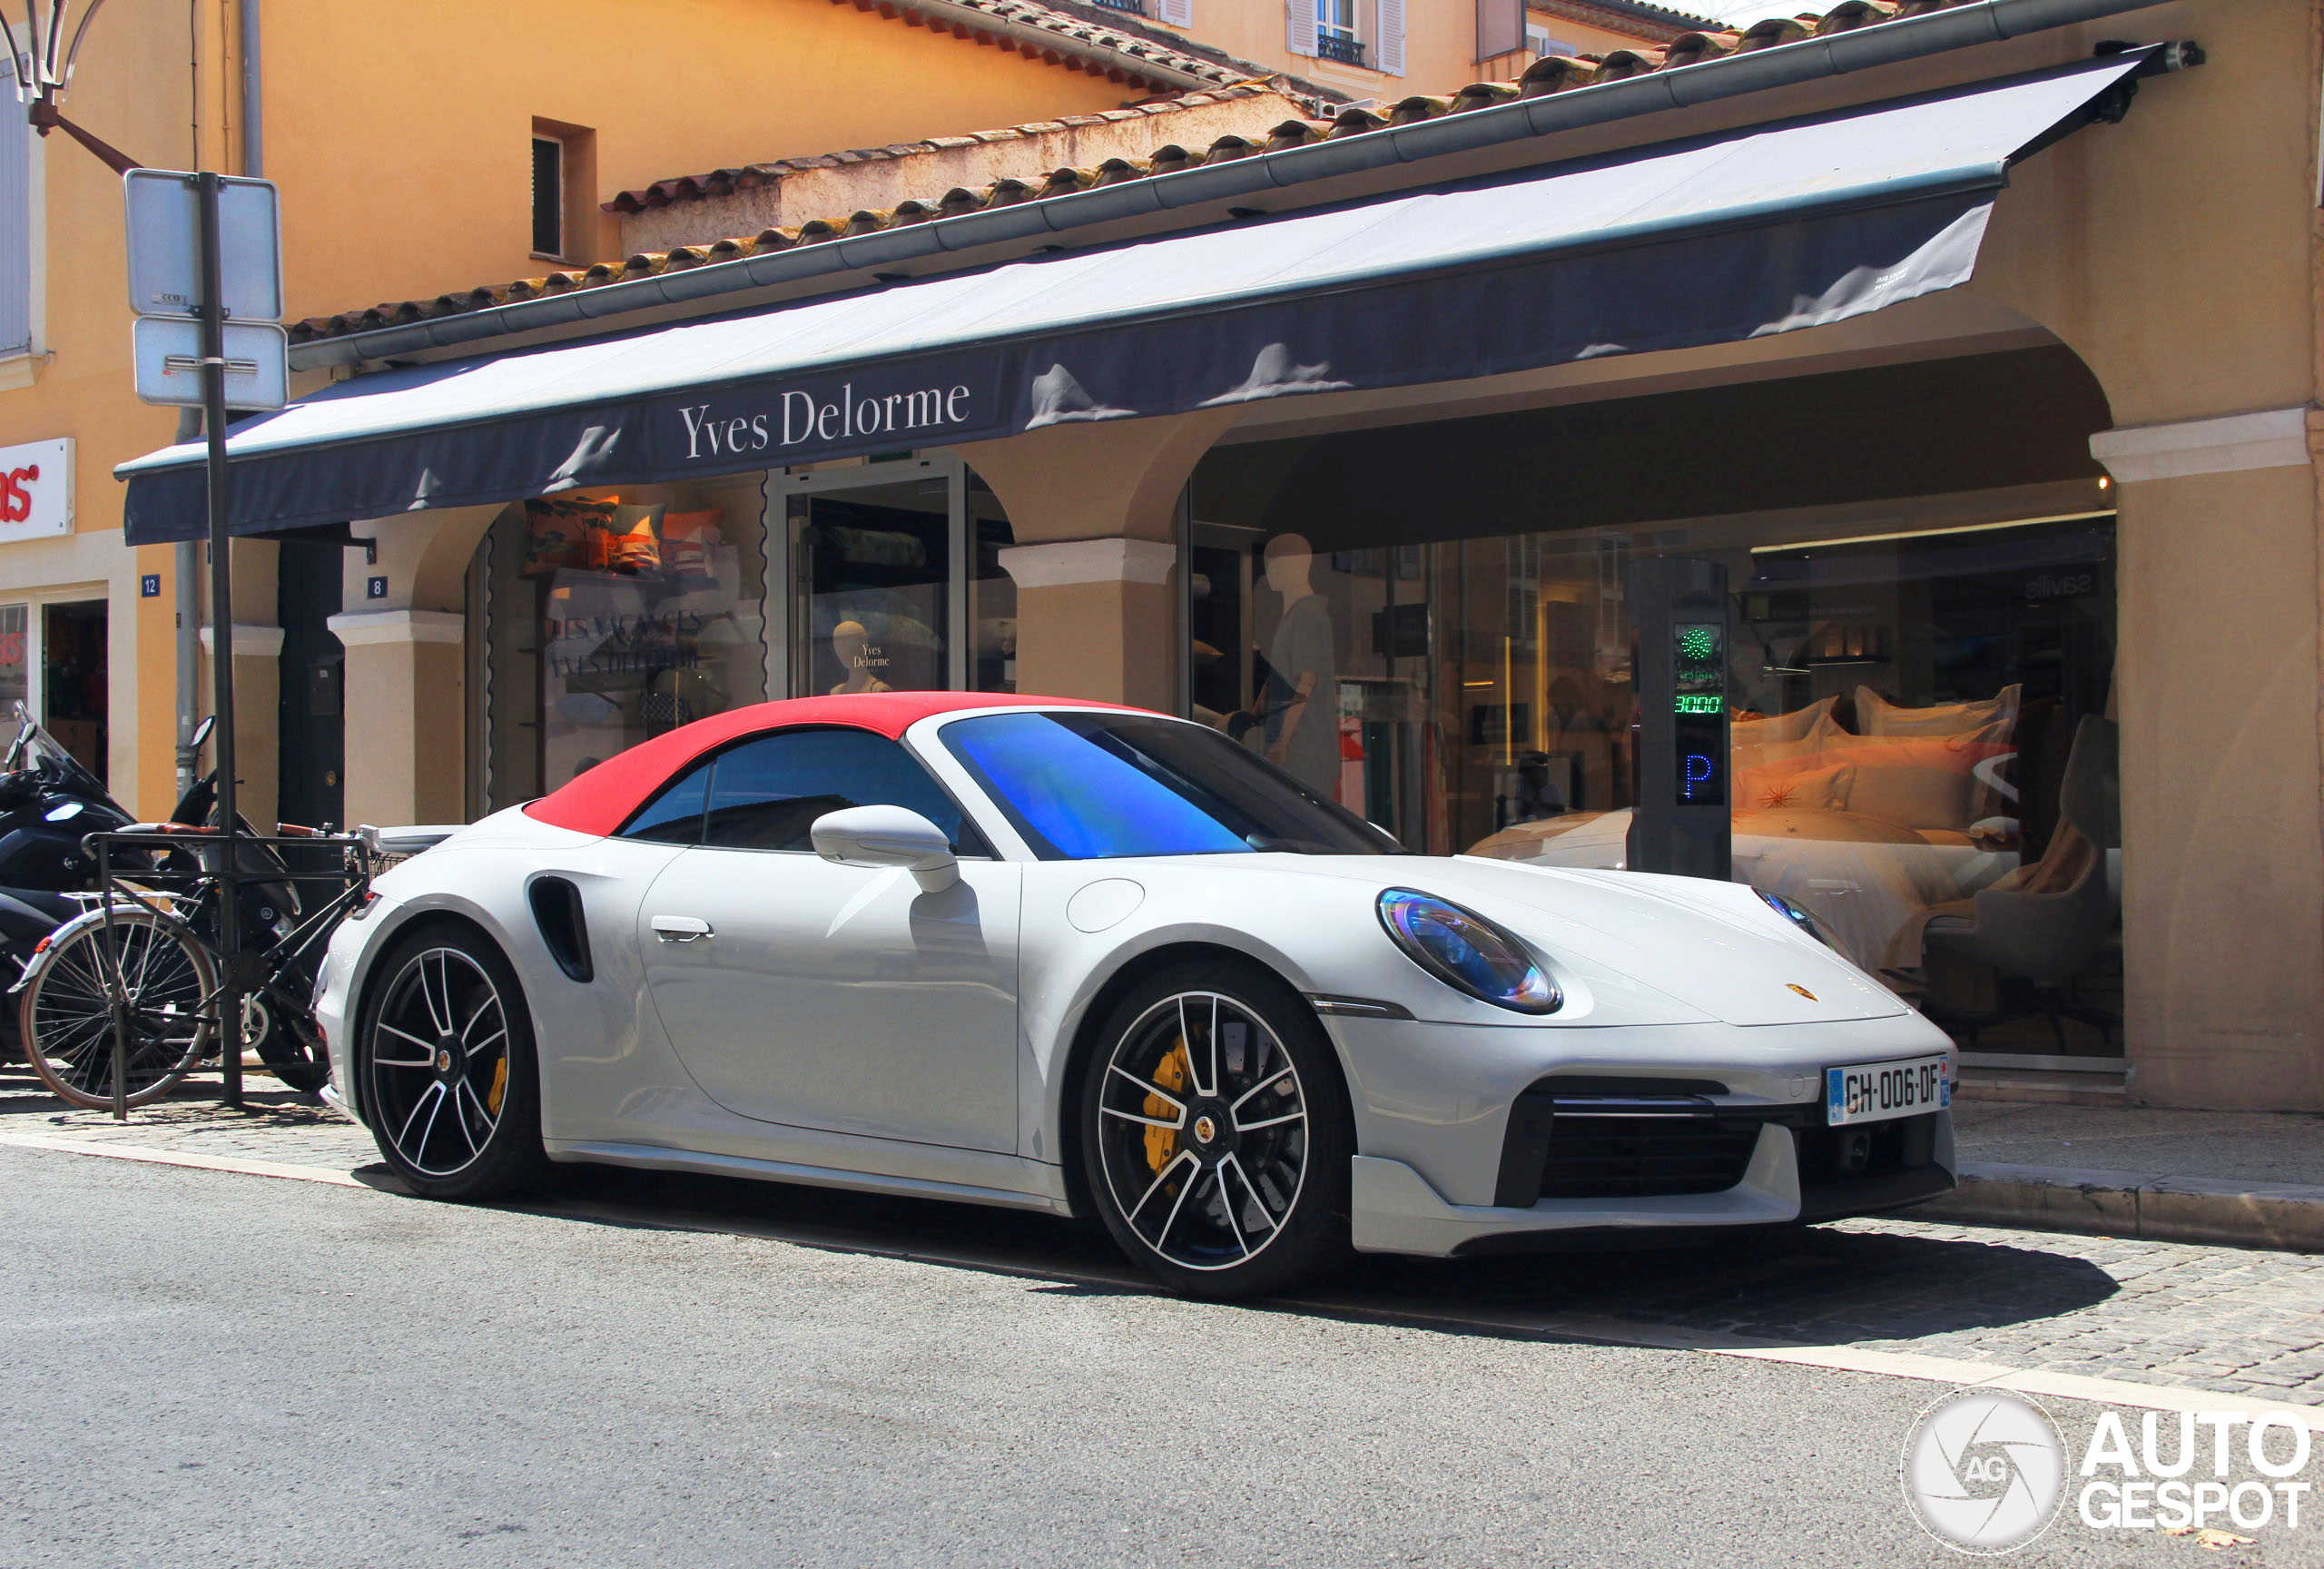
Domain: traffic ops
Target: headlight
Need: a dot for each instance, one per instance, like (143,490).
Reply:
(1792,914)
(1467,951)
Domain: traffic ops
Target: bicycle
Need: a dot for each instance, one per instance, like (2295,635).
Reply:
(120,1004)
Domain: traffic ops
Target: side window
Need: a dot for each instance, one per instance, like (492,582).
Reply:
(674,815)
(765,794)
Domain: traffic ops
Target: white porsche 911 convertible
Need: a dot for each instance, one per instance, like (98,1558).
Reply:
(1070,958)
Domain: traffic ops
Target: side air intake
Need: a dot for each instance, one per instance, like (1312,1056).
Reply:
(556,909)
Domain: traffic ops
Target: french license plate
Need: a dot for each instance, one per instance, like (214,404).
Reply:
(1875,1091)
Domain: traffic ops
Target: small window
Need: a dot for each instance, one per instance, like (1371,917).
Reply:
(548,196)
(1335,34)
(765,794)
(674,815)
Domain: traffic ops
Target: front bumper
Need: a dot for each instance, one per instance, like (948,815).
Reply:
(1470,1138)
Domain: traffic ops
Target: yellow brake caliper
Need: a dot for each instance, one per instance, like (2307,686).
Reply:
(1162,1143)
(500,1085)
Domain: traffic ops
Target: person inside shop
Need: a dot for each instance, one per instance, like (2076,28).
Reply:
(1302,692)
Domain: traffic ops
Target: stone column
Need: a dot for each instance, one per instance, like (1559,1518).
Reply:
(1102,615)
(2222,783)
(258,711)
(405,704)
(1094,509)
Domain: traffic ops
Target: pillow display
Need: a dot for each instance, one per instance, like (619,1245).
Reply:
(1919,783)
(1793,787)
(686,541)
(630,544)
(1797,725)
(1875,716)
(560,531)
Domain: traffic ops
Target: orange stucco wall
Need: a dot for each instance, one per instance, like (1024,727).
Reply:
(400,134)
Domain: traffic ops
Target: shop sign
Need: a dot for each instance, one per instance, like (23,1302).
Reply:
(35,489)
(787,423)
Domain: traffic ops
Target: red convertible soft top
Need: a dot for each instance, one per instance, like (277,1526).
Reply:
(601,800)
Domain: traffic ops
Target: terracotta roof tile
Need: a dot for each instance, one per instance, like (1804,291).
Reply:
(1553,73)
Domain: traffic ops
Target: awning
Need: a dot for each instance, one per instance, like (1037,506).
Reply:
(1760,231)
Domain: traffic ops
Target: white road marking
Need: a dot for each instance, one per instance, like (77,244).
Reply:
(1574,1326)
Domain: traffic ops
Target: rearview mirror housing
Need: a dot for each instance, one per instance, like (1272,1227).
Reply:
(888,836)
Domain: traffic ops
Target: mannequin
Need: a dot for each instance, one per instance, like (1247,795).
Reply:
(861,662)
(1302,710)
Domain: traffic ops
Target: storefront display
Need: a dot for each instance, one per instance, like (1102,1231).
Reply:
(615,616)
(1906,707)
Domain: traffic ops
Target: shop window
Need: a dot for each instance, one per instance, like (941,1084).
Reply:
(612,616)
(16,669)
(1921,688)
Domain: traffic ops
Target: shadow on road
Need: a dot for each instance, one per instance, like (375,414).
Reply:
(1813,1285)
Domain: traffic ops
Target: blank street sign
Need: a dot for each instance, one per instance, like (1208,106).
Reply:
(165,245)
(168,354)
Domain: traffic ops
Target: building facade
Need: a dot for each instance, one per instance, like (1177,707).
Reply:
(2017,652)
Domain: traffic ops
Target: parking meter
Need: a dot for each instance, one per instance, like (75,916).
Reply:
(1679,627)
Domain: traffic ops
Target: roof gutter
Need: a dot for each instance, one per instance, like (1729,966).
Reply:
(1732,76)
(950,14)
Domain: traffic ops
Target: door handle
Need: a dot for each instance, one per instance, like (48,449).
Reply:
(680,928)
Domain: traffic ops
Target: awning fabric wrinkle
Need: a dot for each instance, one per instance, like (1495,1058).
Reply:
(1765,230)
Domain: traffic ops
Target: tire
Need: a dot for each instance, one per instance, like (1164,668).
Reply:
(444,1028)
(65,1021)
(1216,1134)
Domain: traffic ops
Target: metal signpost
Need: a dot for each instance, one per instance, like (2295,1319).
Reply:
(183,228)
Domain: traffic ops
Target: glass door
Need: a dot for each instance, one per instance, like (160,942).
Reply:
(895,580)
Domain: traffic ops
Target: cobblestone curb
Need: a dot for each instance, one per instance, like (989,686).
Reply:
(2283,1216)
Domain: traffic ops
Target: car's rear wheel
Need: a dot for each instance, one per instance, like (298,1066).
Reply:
(1216,1134)
(451,1083)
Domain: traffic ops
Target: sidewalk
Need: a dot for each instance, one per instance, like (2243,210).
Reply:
(2247,1178)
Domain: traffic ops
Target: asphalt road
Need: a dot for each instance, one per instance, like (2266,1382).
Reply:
(206,1368)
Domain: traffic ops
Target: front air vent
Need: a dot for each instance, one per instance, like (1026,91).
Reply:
(557,909)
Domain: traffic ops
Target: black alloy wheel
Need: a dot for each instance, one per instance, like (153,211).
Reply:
(1216,1134)
(451,1084)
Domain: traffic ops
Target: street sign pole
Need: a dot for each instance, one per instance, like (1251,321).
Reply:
(221,646)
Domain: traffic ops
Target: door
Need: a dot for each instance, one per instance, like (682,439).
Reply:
(840,998)
(310,787)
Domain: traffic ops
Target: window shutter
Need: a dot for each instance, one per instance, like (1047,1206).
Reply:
(1501,27)
(15,221)
(1299,27)
(1388,53)
(1176,13)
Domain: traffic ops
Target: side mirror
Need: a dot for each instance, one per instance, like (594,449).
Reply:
(888,836)
(201,735)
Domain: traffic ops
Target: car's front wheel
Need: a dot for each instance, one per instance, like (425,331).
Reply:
(1216,1134)
(451,1084)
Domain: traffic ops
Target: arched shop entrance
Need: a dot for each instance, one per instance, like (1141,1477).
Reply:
(1428,621)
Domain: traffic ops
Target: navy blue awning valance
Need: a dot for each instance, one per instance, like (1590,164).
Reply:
(1754,232)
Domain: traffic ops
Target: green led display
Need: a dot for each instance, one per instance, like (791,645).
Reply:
(1698,703)
(1696,644)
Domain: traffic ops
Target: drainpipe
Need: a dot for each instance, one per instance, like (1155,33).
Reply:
(188,577)
(253,105)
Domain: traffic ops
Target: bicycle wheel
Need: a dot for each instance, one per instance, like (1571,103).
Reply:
(162,974)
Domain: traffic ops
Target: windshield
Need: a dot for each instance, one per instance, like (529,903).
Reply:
(36,750)
(1093,786)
